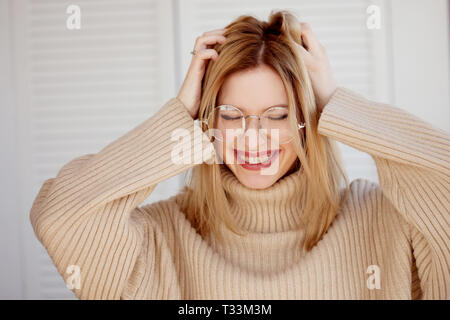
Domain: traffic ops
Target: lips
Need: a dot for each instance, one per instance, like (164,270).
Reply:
(255,158)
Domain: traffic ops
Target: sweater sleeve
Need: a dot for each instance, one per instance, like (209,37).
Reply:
(87,216)
(413,164)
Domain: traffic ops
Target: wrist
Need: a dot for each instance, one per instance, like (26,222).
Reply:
(326,94)
(185,106)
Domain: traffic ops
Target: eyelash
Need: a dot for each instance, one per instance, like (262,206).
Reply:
(236,118)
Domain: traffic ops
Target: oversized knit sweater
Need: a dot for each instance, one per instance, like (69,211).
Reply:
(398,230)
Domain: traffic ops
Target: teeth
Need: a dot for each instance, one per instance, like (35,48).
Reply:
(256,160)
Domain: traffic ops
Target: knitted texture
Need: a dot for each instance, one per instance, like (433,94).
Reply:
(398,230)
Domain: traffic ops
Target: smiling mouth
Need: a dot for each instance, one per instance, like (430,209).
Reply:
(256,159)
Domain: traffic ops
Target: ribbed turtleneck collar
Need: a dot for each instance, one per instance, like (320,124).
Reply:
(274,209)
(270,216)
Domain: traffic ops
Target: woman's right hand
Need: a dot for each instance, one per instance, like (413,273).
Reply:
(190,92)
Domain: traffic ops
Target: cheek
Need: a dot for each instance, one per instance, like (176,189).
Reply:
(225,152)
(289,155)
(228,152)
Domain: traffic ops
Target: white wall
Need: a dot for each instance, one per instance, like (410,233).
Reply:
(420,48)
(10,226)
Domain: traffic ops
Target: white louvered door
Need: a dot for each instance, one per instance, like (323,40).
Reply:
(78,90)
(85,88)
(358,55)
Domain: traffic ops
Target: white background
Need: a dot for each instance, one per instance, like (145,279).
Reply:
(66,93)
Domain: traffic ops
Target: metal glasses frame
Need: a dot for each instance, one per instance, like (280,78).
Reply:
(244,118)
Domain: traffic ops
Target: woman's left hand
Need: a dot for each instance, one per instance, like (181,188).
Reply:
(315,57)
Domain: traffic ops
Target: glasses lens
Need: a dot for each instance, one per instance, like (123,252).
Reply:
(228,123)
(275,121)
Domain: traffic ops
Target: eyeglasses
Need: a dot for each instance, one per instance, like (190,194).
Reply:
(230,122)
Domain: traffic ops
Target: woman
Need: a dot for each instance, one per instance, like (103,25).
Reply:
(268,212)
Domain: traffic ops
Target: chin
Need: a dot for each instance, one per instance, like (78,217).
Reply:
(254,180)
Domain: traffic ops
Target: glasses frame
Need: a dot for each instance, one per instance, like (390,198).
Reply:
(300,125)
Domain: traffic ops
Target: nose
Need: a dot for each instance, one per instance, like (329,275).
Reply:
(255,124)
(254,136)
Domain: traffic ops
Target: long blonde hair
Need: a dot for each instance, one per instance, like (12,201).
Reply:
(251,42)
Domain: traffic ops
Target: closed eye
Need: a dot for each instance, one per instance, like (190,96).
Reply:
(227,117)
(283,117)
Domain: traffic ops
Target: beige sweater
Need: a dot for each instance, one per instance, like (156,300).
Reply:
(396,232)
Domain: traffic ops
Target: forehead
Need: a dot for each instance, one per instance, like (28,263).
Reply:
(253,90)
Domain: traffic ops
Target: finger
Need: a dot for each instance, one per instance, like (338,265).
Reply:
(202,55)
(305,55)
(211,33)
(310,40)
(203,41)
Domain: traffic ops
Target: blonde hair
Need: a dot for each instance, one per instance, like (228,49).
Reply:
(251,42)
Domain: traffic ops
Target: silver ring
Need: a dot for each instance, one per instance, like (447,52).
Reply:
(193,52)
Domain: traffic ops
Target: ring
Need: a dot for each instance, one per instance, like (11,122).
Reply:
(193,52)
